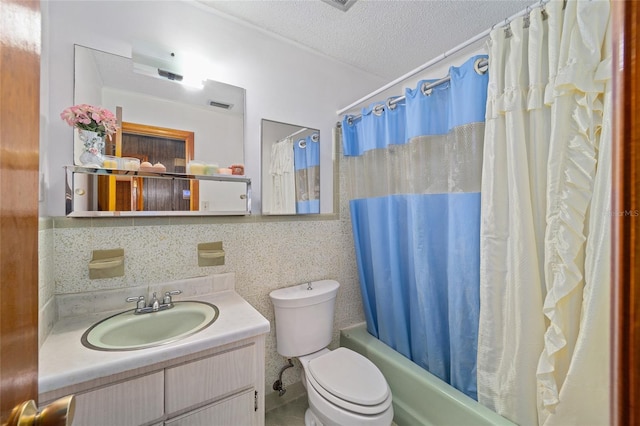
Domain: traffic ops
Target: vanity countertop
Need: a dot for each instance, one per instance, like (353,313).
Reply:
(64,361)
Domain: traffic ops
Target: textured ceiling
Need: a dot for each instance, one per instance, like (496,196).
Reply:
(386,38)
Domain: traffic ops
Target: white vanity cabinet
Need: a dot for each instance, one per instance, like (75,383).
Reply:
(230,412)
(221,386)
(187,387)
(132,402)
(213,377)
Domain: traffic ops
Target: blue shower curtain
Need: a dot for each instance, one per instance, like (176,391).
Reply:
(413,171)
(306,153)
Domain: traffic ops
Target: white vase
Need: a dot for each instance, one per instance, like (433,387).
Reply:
(92,148)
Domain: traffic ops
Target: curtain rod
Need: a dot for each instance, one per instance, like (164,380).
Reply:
(478,65)
(297,132)
(443,56)
(304,129)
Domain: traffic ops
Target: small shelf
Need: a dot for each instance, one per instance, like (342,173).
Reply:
(81,195)
(157,175)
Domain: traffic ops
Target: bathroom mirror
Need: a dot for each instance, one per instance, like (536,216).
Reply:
(212,113)
(290,169)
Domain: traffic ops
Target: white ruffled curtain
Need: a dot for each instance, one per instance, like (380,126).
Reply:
(283,178)
(543,344)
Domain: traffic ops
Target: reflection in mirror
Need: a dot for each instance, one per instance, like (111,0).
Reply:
(167,150)
(172,116)
(290,169)
(83,197)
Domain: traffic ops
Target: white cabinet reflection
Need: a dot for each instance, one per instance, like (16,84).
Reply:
(148,194)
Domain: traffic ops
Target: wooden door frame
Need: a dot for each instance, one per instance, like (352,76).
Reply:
(106,185)
(160,132)
(625,301)
(20,26)
(163,132)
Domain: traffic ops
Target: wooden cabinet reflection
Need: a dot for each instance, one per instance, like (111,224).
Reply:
(170,147)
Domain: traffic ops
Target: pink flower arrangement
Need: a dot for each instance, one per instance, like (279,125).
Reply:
(91,118)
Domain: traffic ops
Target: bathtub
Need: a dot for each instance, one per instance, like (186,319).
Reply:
(419,397)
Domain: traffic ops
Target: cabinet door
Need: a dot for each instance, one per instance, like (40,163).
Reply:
(236,411)
(209,379)
(133,402)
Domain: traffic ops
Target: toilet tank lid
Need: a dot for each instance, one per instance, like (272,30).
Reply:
(300,295)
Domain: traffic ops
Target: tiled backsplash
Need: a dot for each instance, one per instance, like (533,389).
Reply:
(46,279)
(85,303)
(264,255)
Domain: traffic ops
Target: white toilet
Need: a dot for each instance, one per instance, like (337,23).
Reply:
(343,387)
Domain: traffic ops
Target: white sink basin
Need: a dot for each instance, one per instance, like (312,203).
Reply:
(127,331)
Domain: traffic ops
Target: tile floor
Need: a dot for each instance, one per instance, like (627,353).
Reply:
(290,414)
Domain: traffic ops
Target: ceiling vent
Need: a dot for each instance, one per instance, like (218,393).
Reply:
(220,105)
(343,5)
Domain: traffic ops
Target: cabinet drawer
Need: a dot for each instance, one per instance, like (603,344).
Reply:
(210,378)
(133,402)
(237,411)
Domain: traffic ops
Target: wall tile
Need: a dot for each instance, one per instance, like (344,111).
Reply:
(263,256)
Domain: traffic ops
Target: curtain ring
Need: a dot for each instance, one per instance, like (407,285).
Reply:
(481,69)
(350,120)
(391,104)
(426,90)
(315,137)
(378,110)
(507,31)
(302,143)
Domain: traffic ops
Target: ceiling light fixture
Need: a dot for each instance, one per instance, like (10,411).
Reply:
(160,62)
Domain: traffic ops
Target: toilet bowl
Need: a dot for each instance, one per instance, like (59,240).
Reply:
(343,387)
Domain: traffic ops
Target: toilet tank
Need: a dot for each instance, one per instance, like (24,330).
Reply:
(304,317)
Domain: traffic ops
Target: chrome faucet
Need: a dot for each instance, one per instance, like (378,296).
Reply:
(154,304)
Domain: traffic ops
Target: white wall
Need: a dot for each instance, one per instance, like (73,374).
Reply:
(267,67)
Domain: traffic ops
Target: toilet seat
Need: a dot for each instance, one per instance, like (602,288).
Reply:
(349,380)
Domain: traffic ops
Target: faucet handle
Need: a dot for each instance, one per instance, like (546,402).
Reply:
(168,294)
(140,301)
